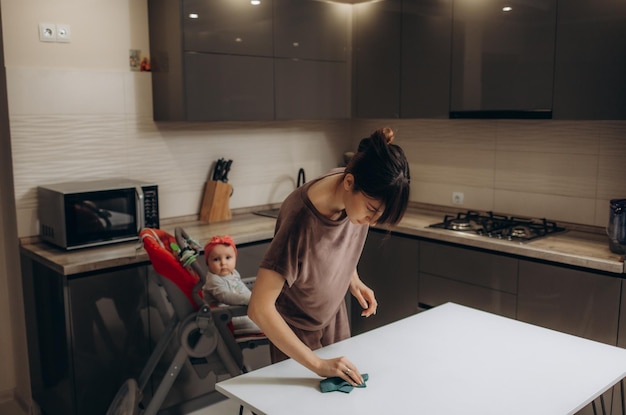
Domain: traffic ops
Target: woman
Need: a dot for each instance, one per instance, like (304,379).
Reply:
(298,296)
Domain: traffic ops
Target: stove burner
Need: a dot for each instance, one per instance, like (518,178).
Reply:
(499,226)
(460,225)
(519,232)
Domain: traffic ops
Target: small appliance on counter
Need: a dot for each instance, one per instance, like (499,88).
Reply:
(616,230)
(76,215)
(499,226)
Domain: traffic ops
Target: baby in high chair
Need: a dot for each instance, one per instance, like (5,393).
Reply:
(223,282)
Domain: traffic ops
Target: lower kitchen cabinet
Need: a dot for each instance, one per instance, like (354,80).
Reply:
(572,301)
(389,266)
(86,335)
(621,342)
(474,278)
(569,300)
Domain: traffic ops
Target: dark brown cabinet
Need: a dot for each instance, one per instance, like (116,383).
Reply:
(86,335)
(425,60)
(590,61)
(502,60)
(314,30)
(228,87)
(474,278)
(298,91)
(389,266)
(232,60)
(573,301)
(401,59)
(228,26)
(376,59)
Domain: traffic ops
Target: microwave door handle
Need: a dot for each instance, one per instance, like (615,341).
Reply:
(139,203)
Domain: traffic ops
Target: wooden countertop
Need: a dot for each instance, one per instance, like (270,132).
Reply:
(582,249)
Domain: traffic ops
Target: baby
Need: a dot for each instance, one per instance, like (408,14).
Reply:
(223,282)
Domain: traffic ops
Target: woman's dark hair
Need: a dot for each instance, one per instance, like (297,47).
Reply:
(381,171)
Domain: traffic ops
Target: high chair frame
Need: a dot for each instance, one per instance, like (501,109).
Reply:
(202,333)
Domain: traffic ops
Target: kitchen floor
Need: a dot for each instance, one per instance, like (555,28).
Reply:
(227,407)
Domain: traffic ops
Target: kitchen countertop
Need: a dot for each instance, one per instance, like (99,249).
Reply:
(573,247)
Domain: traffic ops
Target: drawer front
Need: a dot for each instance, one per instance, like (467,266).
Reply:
(434,291)
(475,267)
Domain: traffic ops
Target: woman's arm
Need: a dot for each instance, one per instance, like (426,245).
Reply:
(364,295)
(262,310)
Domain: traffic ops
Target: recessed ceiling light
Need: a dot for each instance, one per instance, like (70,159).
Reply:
(193,15)
(255,2)
(507,8)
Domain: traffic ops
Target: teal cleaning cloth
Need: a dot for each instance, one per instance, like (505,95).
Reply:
(338,384)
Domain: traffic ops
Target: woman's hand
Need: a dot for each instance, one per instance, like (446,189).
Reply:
(340,367)
(364,295)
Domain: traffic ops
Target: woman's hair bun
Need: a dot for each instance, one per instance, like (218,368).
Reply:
(388,134)
(384,134)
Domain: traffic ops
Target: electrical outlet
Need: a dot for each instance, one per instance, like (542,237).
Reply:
(47,32)
(63,33)
(457,198)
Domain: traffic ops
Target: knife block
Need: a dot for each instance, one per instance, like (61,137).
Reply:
(215,206)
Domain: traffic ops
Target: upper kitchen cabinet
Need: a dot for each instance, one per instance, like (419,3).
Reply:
(228,87)
(311,59)
(306,29)
(590,64)
(233,60)
(426,42)
(212,60)
(228,26)
(376,59)
(401,59)
(503,58)
(309,89)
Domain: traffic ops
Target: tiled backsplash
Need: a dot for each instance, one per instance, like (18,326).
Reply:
(561,170)
(544,168)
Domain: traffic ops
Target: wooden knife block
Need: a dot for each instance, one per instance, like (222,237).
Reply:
(215,206)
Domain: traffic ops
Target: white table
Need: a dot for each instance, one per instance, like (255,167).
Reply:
(449,360)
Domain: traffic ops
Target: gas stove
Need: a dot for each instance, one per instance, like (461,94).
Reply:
(498,226)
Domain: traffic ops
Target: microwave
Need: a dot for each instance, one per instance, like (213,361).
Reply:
(76,215)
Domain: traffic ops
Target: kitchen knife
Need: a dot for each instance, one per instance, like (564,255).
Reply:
(219,169)
(225,171)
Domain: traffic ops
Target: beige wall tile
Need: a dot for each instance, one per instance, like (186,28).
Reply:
(612,177)
(613,138)
(477,198)
(178,157)
(548,136)
(602,213)
(469,167)
(554,207)
(546,173)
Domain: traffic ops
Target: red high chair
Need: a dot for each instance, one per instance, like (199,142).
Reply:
(203,335)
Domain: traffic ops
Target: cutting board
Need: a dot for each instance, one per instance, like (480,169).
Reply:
(215,202)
